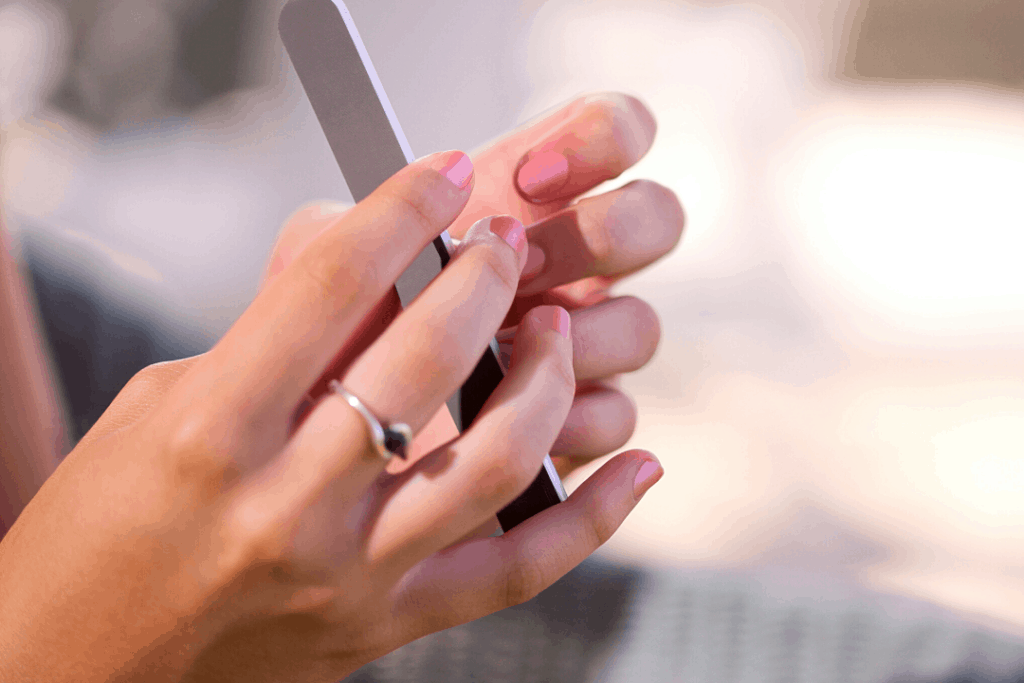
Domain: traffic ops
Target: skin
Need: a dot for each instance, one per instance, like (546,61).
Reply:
(227,519)
(33,435)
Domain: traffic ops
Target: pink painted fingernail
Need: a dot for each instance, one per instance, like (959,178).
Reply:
(534,262)
(544,173)
(560,321)
(510,230)
(456,167)
(646,477)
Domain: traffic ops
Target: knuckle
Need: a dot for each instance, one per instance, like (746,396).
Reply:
(147,378)
(336,281)
(415,209)
(503,478)
(597,527)
(560,371)
(522,581)
(164,373)
(190,434)
(202,449)
(415,205)
(441,357)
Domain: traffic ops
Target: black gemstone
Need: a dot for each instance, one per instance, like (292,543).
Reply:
(395,443)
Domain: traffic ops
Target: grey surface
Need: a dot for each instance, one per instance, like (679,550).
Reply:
(370,147)
(337,83)
(604,623)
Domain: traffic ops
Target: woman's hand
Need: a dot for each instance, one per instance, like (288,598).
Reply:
(225,528)
(578,249)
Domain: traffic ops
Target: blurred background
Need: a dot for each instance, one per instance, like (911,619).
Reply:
(839,396)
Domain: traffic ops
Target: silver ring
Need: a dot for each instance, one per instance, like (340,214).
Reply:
(389,440)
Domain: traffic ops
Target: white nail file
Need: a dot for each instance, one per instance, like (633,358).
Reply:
(368,143)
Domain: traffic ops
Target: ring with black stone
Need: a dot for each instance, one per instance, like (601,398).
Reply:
(388,439)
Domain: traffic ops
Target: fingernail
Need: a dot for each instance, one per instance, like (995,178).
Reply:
(543,174)
(646,477)
(506,343)
(456,167)
(510,230)
(534,262)
(560,321)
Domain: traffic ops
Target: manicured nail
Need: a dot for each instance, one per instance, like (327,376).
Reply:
(646,477)
(456,167)
(534,262)
(560,321)
(510,230)
(543,174)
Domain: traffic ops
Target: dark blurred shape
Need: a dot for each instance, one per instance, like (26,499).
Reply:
(970,674)
(97,339)
(140,59)
(97,349)
(210,61)
(938,40)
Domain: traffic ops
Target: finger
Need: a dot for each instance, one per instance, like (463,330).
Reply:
(616,336)
(405,376)
(283,342)
(601,420)
(609,235)
(482,576)
(558,156)
(610,134)
(298,232)
(608,338)
(463,484)
(427,353)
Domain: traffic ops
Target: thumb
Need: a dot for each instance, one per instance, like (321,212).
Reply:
(481,576)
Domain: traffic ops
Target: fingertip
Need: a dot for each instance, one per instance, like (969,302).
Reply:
(541,319)
(542,175)
(648,472)
(454,165)
(561,321)
(512,232)
(535,260)
(644,117)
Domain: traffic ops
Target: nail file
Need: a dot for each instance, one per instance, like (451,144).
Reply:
(368,143)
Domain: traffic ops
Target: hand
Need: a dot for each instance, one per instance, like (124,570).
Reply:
(219,529)
(578,249)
